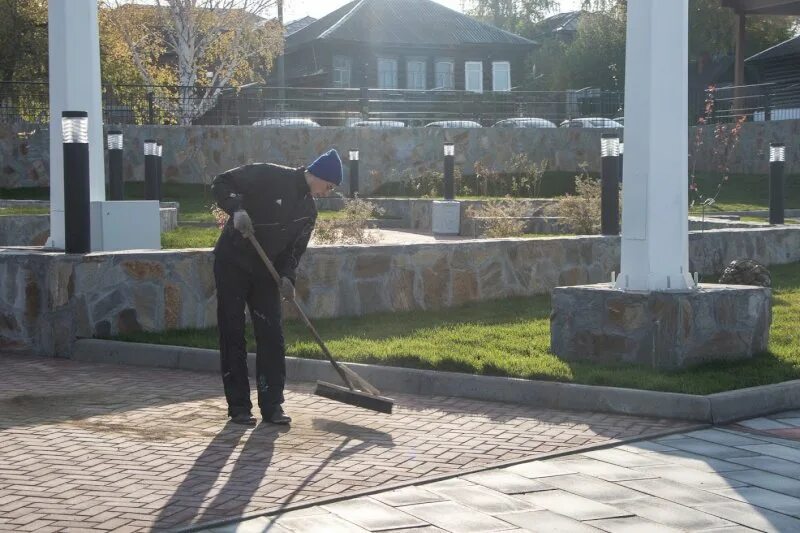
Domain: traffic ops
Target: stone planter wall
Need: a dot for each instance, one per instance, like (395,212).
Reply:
(196,154)
(48,299)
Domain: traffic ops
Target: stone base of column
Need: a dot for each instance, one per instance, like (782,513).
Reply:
(663,330)
(446,217)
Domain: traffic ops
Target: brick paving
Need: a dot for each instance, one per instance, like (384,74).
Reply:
(98,447)
(734,479)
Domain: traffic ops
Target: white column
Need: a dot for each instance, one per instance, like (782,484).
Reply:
(74,48)
(655,227)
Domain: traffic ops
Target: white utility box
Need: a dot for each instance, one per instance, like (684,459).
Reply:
(126,225)
(446,217)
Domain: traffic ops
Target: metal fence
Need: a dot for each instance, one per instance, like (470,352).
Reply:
(27,102)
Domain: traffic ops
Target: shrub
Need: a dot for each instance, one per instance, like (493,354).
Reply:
(503,218)
(349,229)
(580,213)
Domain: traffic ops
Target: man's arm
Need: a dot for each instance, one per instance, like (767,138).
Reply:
(286,263)
(227,189)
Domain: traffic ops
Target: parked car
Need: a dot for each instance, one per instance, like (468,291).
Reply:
(524,123)
(453,124)
(606,123)
(621,120)
(287,123)
(378,124)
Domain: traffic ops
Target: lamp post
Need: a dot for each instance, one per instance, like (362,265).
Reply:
(75,138)
(159,169)
(621,159)
(609,200)
(777,161)
(353,173)
(449,171)
(115,177)
(150,169)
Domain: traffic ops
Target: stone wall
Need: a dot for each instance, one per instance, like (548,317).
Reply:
(196,154)
(48,299)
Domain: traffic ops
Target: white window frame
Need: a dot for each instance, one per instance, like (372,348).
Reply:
(381,76)
(439,81)
(343,72)
(467,65)
(497,73)
(419,86)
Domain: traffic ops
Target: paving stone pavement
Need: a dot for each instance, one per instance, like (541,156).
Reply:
(97,447)
(703,480)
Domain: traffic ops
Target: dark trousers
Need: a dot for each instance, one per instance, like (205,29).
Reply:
(237,287)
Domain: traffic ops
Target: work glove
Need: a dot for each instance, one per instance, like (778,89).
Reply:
(287,289)
(242,222)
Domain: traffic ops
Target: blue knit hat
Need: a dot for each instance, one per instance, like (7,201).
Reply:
(328,167)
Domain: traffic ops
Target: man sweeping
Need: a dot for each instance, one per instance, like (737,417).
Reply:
(276,205)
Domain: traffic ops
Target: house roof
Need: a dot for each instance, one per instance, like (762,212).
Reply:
(566,22)
(402,22)
(789,47)
(299,24)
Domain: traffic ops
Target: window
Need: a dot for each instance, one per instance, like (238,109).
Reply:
(387,73)
(501,76)
(474,76)
(342,70)
(445,78)
(415,71)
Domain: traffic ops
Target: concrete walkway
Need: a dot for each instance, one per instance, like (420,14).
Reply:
(744,477)
(89,447)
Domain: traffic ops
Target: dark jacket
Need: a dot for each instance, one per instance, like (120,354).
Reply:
(281,207)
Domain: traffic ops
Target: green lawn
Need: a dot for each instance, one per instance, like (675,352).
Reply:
(24,210)
(512,338)
(746,192)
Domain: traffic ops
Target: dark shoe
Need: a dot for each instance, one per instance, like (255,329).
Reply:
(245,419)
(276,416)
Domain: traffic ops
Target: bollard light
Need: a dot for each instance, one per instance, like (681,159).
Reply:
(114,142)
(609,199)
(609,145)
(150,169)
(353,173)
(449,171)
(75,137)
(159,170)
(777,159)
(777,153)
(621,159)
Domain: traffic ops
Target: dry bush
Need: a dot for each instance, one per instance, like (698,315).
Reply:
(527,176)
(503,218)
(580,213)
(350,228)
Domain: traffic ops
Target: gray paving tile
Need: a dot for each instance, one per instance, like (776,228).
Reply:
(767,499)
(623,458)
(726,529)
(319,524)
(407,496)
(693,477)
(646,447)
(631,524)
(770,464)
(571,505)
(448,484)
(727,438)
(768,480)
(794,422)
(709,449)
(537,469)
(778,440)
(675,492)
(372,514)
(701,462)
(456,518)
(775,450)
(672,514)
(786,414)
(426,529)
(762,424)
(484,500)
(547,522)
(592,488)
(754,517)
(506,482)
(601,469)
(256,525)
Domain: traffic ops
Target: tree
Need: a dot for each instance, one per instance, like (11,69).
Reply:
(199,46)
(518,16)
(23,40)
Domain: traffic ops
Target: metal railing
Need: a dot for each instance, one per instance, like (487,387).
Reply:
(28,102)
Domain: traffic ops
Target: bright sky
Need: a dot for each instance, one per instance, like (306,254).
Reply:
(295,9)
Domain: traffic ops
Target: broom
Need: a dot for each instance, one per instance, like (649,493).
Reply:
(368,397)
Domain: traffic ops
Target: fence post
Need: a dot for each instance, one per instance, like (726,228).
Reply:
(767,104)
(364,100)
(241,109)
(151,117)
